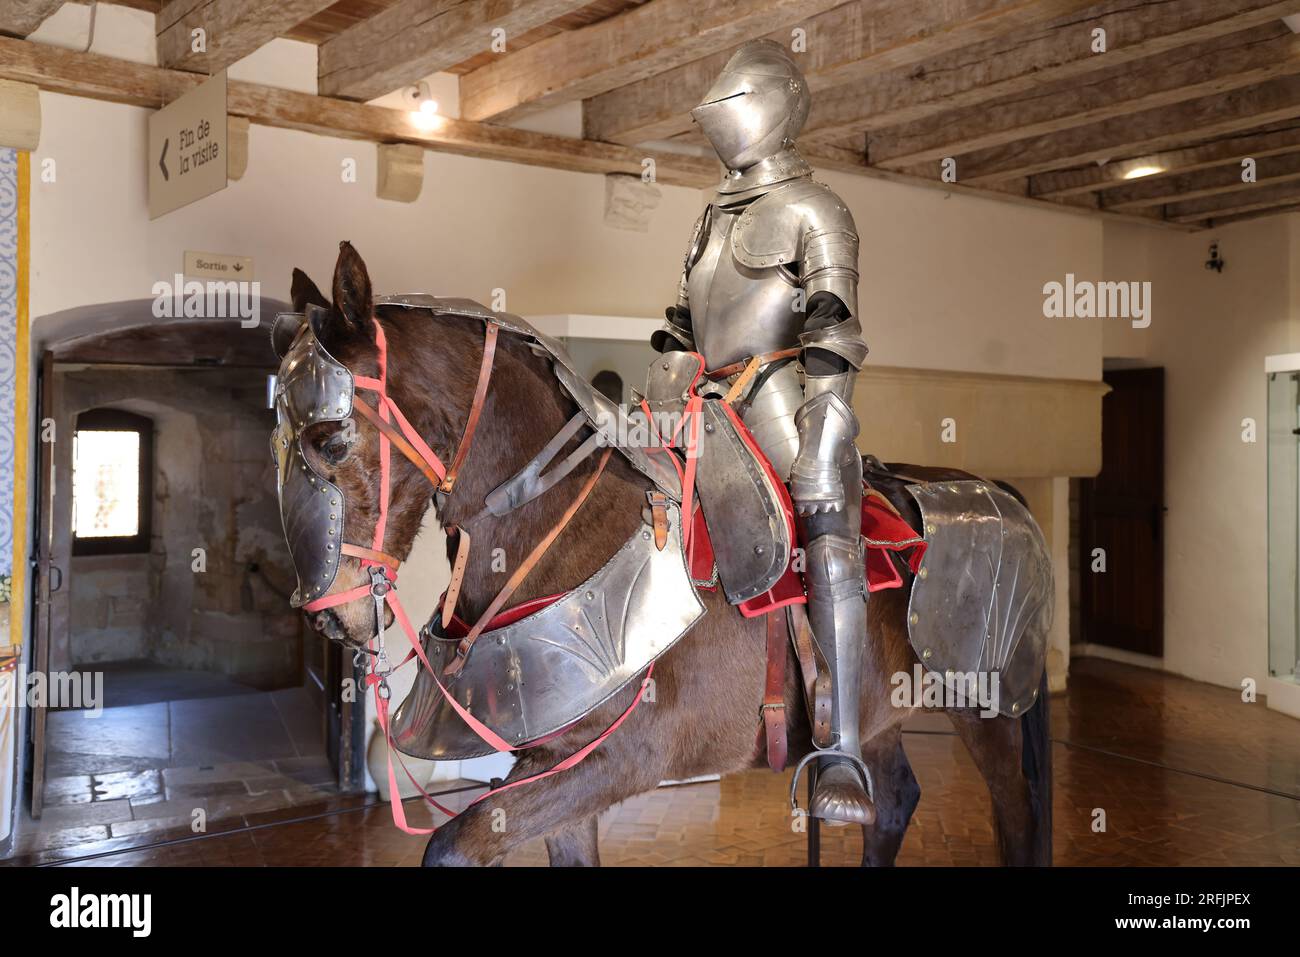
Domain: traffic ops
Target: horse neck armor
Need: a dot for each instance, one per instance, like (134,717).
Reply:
(533,677)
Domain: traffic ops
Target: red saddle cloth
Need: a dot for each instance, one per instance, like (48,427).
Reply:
(883,531)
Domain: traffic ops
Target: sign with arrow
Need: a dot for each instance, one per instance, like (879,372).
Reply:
(187,148)
(218,266)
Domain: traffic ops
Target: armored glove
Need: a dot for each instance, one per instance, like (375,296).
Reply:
(674,335)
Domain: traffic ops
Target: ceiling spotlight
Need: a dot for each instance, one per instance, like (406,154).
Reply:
(1137,172)
(423,99)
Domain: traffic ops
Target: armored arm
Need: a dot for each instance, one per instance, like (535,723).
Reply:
(676,333)
(834,350)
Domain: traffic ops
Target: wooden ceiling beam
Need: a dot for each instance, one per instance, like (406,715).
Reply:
(1019,63)
(232,29)
(847,161)
(634,45)
(1165,128)
(414,38)
(1211,182)
(1189,159)
(122,81)
(1217,221)
(1232,204)
(20,18)
(843,46)
(1212,66)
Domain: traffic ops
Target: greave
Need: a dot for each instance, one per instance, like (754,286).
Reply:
(837,609)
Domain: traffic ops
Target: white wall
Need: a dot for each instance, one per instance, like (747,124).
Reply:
(1211,332)
(956,282)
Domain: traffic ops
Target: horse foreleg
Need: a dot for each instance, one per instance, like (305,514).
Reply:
(489,830)
(895,794)
(575,845)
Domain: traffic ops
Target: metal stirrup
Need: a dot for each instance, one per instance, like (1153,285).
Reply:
(818,753)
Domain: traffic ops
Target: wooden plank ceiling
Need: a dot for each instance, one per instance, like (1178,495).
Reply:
(1183,113)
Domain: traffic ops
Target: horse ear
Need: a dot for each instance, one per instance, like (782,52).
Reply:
(303,291)
(354,303)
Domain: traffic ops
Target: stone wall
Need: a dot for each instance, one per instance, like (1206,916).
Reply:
(223,608)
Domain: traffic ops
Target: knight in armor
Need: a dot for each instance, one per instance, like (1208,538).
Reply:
(773,265)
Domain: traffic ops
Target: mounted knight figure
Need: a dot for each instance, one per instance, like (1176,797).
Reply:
(663,564)
(771,273)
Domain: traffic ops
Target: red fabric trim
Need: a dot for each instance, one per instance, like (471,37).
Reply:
(459,628)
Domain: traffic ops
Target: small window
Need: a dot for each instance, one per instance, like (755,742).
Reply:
(112,460)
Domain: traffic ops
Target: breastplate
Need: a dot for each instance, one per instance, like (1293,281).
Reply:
(736,311)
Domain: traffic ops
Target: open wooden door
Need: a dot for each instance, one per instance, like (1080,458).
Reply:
(1121,511)
(50,612)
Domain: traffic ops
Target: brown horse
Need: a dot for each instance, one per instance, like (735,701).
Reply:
(708,687)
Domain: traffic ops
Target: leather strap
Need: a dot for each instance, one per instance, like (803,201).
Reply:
(457,576)
(463,648)
(742,380)
(659,517)
(475,408)
(399,441)
(774,692)
(816,679)
(370,555)
(762,360)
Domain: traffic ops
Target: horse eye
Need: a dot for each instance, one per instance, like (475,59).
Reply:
(334,448)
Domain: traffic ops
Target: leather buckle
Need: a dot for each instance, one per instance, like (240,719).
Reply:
(659,517)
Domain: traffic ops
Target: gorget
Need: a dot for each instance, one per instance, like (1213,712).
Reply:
(537,675)
(741,186)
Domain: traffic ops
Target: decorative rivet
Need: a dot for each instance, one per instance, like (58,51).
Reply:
(926,654)
(930,528)
(645,536)
(914,618)
(590,595)
(330,547)
(924,572)
(758,549)
(1015,708)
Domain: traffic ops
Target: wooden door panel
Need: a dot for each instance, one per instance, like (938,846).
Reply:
(1121,511)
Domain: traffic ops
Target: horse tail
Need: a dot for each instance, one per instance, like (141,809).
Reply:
(1036,765)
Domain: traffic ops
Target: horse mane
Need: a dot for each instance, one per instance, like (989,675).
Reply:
(439,354)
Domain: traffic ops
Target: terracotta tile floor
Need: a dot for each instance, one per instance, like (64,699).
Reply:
(1186,773)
